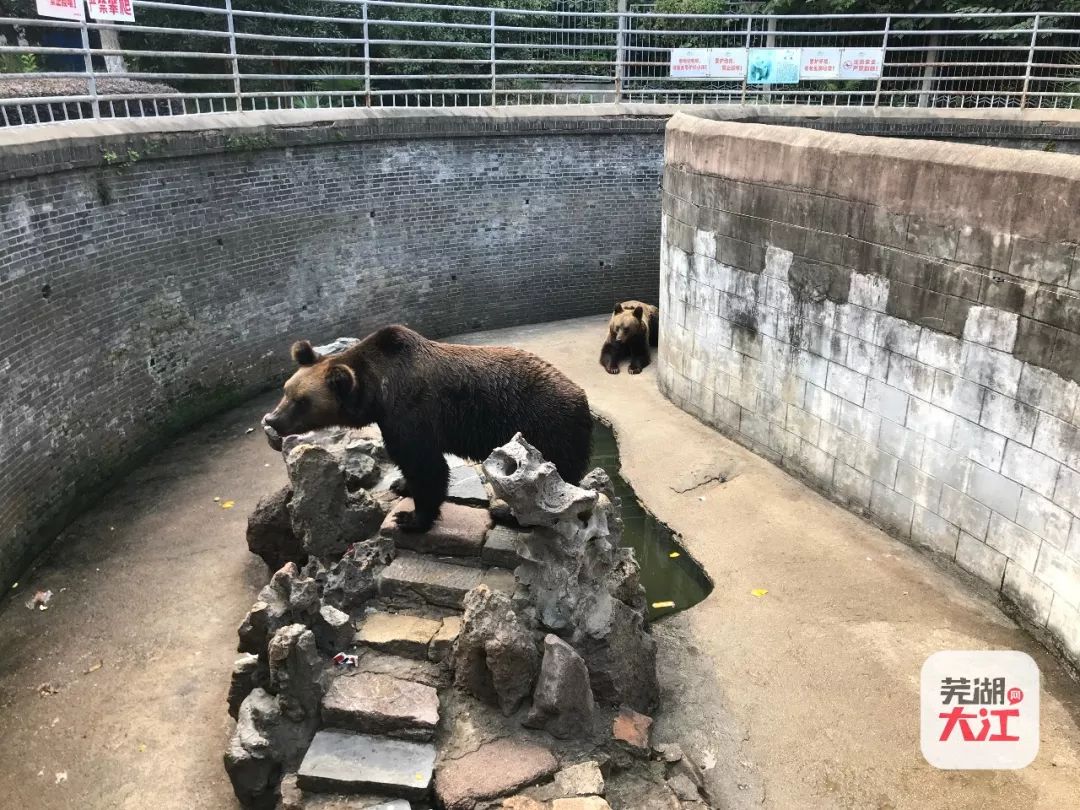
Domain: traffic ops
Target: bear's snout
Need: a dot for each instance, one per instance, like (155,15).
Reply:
(272,435)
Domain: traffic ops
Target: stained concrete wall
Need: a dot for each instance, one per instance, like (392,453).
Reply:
(895,322)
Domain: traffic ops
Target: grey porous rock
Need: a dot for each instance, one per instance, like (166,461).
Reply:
(297,674)
(289,598)
(562,702)
(575,577)
(495,655)
(353,579)
(245,677)
(275,725)
(270,534)
(326,515)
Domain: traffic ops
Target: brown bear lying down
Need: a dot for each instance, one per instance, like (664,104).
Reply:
(432,398)
(633,328)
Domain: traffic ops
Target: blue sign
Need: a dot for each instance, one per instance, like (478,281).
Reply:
(773,66)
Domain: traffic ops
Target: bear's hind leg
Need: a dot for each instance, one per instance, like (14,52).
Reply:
(609,357)
(426,476)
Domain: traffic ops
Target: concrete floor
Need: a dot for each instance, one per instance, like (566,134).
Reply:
(805,698)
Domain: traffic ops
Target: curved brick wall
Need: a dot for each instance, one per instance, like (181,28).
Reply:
(897,323)
(150,278)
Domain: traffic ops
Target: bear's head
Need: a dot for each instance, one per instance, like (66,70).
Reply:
(626,324)
(322,393)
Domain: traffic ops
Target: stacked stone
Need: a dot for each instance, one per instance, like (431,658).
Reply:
(410,617)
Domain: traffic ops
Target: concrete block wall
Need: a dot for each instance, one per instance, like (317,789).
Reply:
(149,278)
(895,323)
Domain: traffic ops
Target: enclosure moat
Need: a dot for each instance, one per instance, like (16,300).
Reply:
(673,580)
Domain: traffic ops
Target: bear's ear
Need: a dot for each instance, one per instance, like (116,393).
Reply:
(304,353)
(618,308)
(341,380)
(638,312)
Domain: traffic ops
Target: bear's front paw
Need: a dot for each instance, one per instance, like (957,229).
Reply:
(611,369)
(399,486)
(409,522)
(634,369)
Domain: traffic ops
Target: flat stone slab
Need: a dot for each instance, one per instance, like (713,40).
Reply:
(436,582)
(443,641)
(409,669)
(466,486)
(496,769)
(381,704)
(501,547)
(344,762)
(459,531)
(398,634)
(292,798)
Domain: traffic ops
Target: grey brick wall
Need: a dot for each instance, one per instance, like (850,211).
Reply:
(896,324)
(148,280)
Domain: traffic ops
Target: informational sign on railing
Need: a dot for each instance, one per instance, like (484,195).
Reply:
(820,63)
(861,63)
(773,66)
(777,65)
(61,9)
(111,10)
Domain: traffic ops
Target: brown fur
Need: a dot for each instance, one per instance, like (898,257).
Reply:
(633,328)
(431,398)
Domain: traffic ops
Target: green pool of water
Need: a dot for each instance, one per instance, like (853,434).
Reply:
(666,579)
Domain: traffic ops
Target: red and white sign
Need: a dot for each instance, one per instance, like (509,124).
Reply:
(689,63)
(819,63)
(861,63)
(727,63)
(111,10)
(61,9)
(979,709)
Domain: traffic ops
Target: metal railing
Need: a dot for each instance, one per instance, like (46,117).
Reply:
(228,55)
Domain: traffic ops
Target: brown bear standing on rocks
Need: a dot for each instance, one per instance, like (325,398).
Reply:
(433,398)
(633,328)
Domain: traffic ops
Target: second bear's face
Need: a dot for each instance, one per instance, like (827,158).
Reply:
(626,324)
(315,396)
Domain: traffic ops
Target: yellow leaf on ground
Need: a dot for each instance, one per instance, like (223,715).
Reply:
(673,554)
(228,504)
(758,592)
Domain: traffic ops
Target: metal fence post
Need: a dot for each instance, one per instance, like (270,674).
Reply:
(884,58)
(88,63)
(232,52)
(367,57)
(749,31)
(620,52)
(492,57)
(929,71)
(1030,60)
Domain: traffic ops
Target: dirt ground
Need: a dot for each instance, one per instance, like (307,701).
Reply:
(148,590)
(804,698)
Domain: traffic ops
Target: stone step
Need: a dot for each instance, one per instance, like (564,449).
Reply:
(437,582)
(381,704)
(494,769)
(428,673)
(466,486)
(293,798)
(346,762)
(398,634)
(502,547)
(458,532)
